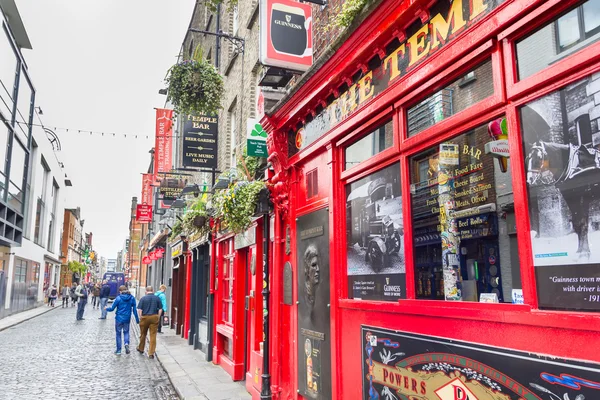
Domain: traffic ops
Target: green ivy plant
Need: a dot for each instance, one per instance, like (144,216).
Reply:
(75,266)
(176,231)
(349,12)
(236,205)
(249,165)
(195,86)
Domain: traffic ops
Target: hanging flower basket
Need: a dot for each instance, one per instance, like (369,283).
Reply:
(195,87)
(237,205)
(199,221)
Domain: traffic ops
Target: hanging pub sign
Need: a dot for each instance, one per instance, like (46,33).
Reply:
(286,41)
(143,213)
(448,19)
(399,365)
(200,141)
(147,188)
(171,187)
(256,144)
(163,145)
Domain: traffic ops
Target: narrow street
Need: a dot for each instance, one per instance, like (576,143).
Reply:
(54,356)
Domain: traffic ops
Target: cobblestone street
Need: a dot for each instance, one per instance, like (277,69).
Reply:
(53,356)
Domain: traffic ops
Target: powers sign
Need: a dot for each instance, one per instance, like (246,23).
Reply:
(286,41)
(400,365)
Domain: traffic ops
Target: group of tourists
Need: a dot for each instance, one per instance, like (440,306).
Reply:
(148,313)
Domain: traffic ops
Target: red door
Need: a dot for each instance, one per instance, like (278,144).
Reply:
(254,321)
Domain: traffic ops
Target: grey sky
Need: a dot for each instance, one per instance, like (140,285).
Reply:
(98,65)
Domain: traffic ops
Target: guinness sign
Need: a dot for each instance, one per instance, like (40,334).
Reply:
(287,40)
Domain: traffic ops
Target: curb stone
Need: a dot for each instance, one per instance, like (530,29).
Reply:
(29,318)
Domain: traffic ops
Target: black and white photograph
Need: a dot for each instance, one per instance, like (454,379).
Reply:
(374,232)
(562,142)
(561,145)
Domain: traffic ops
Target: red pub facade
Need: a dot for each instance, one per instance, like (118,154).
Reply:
(436,231)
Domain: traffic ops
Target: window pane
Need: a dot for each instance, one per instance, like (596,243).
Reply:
(591,15)
(23,107)
(17,164)
(461,94)
(8,68)
(465,246)
(568,29)
(544,47)
(561,140)
(4,135)
(375,142)
(374,232)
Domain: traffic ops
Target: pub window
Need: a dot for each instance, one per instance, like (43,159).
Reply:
(469,89)
(572,31)
(462,208)
(374,237)
(373,143)
(561,139)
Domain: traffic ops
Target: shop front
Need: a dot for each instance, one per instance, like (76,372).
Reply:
(199,296)
(178,283)
(437,206)
(238,305)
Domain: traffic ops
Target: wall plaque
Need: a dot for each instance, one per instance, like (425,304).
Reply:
(288,284)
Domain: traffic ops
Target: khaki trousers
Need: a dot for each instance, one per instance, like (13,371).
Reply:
(148,322)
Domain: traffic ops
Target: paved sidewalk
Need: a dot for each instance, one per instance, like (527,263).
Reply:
(192,377)
(23,316)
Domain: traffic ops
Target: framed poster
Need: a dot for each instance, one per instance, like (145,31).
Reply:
(561,144)
(314,341)
(400,365)
(374,236)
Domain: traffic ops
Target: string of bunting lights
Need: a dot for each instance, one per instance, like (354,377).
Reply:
(97,133)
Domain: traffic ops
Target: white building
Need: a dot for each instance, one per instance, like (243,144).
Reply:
(31,210)
(111,265)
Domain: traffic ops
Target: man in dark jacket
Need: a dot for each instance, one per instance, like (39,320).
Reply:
(125,305)
(104,293)
(148,308)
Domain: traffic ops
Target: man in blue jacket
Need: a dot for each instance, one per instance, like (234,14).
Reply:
(125,306)
(104,293)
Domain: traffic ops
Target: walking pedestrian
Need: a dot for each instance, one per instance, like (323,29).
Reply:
(65,294)
(148,310)
(104,293)
(52,295)
(82,297)
(73,296)
(163,299)
(125,305)
(96,298)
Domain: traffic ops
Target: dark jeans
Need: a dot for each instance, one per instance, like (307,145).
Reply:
(80,308)
(65,301)
(122,327)
(94,299)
